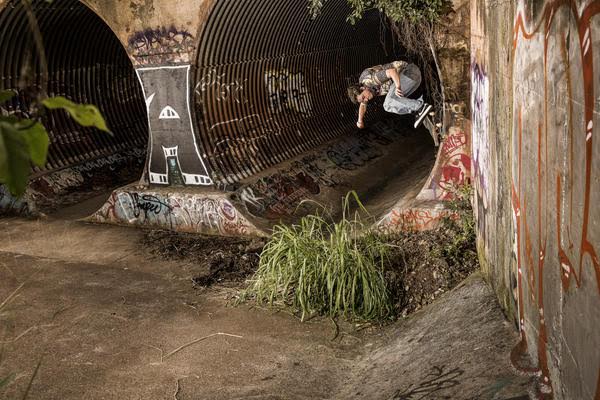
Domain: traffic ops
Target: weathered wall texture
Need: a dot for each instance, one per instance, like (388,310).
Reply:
(453,45)
(155,31)
(535,86)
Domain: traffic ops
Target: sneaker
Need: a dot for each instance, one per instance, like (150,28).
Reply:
(422,114)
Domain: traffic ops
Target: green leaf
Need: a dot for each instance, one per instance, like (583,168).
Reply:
(85,114)
(14,158)
(37,140)
(6,95)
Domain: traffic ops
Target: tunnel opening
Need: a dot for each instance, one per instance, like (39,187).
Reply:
(86,64)
(275,120)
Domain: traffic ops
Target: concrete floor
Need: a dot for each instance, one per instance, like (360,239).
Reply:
(102,316)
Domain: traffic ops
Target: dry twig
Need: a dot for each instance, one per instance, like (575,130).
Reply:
(198,340)
(337,329)
(18,337)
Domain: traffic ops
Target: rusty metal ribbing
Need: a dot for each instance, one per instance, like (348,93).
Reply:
(271,83)
(87,64)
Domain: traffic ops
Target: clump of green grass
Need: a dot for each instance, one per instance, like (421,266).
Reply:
(460,246)
(324,267)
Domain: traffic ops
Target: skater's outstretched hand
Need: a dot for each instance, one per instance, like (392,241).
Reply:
(362,110)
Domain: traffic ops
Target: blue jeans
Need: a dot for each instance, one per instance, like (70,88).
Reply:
(410,80)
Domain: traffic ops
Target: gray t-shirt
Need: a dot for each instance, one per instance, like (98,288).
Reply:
(376,80)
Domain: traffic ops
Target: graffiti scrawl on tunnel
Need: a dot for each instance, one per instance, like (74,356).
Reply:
(453,166)
(282,193)
(217,86)
(287,91)
(182,212)
(415,219)
(175,157)
(481,147)
(169,113)
(161,45)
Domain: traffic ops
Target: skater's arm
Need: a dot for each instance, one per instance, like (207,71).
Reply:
(361,115)
(393,74)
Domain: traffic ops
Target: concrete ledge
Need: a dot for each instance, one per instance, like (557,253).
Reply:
(178,209)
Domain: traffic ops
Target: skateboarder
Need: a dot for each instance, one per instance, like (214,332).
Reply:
(395,80)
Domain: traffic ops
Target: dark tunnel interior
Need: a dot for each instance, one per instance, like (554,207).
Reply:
(271,90)
(86,64)
(271,82)
(270,87)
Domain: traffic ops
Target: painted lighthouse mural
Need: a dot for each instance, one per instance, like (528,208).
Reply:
(175,157)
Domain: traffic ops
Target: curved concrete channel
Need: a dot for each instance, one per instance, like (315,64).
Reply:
(227,114)
(104,314)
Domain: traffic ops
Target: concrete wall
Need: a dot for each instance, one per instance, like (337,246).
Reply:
(535,86)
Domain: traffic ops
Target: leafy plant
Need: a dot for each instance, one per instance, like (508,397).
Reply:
(86,115)
(325,268)
(24,141)
(415,11)
(460,246)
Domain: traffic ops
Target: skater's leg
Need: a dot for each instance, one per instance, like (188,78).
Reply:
(410,79)
(401,105)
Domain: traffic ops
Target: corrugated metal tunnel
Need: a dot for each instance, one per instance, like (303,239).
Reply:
(269,106)
(274,117)
(87,64)
(271,82)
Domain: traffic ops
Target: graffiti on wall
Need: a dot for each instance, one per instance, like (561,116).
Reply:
(415,219)
(457,168)
(10,204)
(112,162)
(182,212)
(481,143)
(161,45)
(221,88)
(239,140)
(287,91)
(353,155)
(554,189)
(452,168)
(280,194)
(480,119)
(70,185)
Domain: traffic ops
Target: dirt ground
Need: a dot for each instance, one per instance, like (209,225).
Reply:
(225,260)
(107,318)
(421,266)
